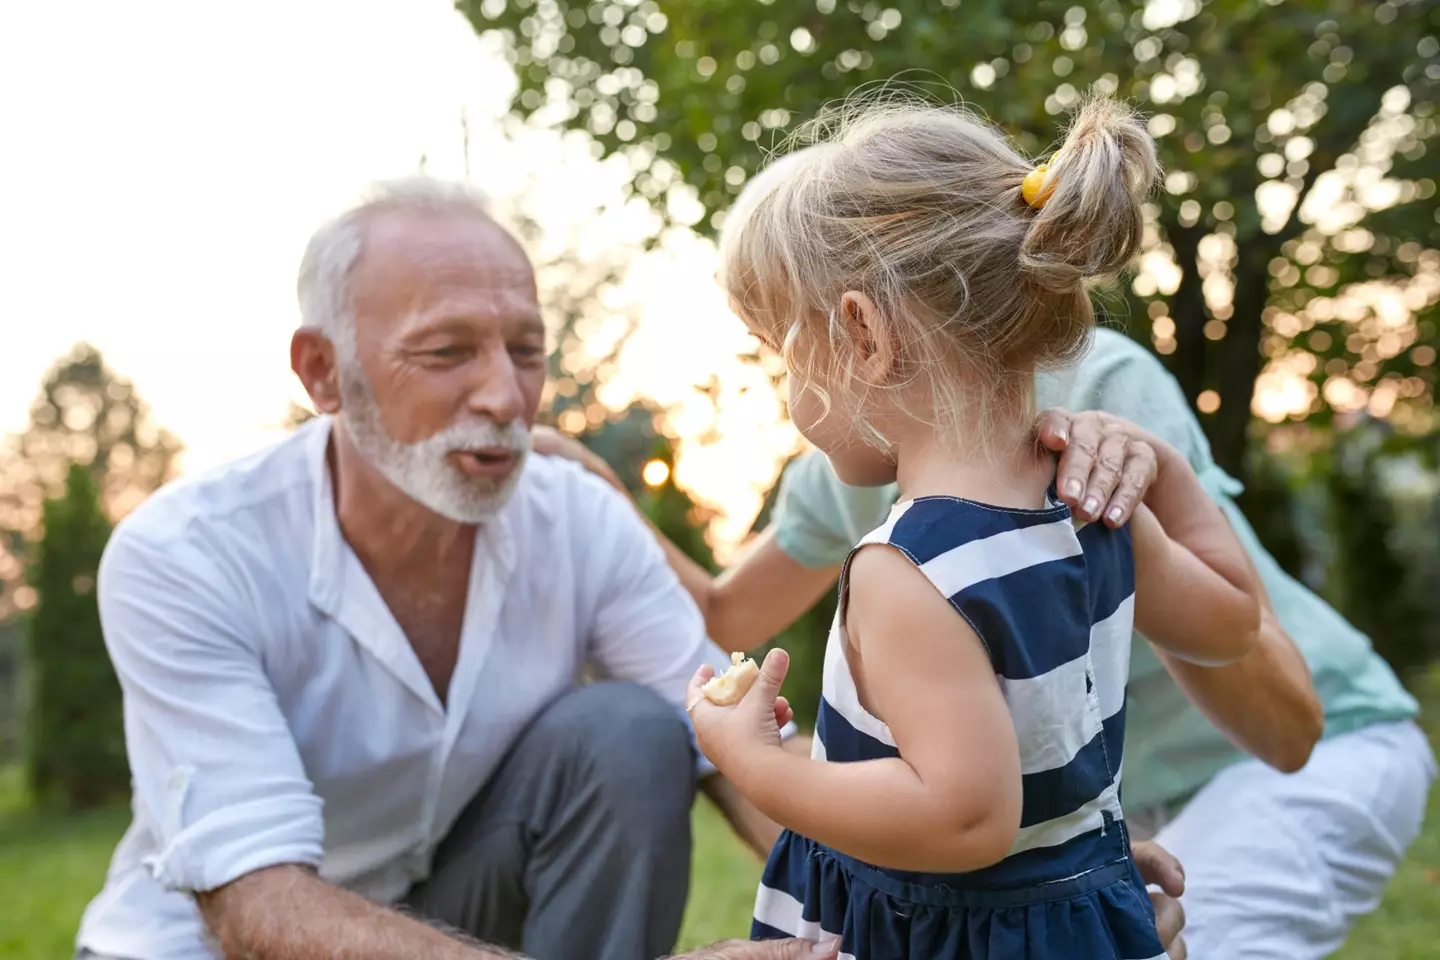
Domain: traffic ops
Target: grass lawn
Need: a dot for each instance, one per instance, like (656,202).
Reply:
(50,866)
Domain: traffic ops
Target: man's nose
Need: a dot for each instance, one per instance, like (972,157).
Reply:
(496,393)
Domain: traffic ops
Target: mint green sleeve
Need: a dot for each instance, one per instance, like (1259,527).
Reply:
(817,518)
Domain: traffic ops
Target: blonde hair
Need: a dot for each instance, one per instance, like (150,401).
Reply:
(920,208)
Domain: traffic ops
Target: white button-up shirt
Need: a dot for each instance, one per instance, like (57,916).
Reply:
(275,712)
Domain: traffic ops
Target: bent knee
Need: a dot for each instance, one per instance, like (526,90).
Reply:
(628,738)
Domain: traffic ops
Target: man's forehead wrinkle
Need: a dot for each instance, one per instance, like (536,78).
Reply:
(423,311)
(415,281)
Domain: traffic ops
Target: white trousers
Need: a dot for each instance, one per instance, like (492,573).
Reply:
(1279,867)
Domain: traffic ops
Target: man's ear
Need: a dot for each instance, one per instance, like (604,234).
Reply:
(312,357)
(869,337)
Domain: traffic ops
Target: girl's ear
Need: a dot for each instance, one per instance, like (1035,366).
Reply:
(868,336)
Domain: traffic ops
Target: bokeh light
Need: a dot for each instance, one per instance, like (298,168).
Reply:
(655,474)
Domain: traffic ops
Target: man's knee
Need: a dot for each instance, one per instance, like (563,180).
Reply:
(626,741)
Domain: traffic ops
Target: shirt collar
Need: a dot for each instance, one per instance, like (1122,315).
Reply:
(326,544)
(342,590)
(328,548)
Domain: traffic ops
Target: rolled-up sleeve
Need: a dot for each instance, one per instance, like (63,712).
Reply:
(646,628)
(215,768)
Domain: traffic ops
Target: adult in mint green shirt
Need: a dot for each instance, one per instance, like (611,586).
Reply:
(1277,864)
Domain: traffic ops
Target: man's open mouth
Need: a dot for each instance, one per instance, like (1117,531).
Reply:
(485,463)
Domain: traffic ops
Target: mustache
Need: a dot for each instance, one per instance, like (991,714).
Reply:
(512,437)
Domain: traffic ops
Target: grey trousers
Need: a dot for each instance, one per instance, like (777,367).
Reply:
(578,848)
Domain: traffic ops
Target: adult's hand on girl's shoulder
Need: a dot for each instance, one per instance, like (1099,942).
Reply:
(1107,464)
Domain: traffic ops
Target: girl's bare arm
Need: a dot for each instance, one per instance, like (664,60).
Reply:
(952,803)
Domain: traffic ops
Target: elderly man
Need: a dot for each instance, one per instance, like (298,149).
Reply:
(351,661)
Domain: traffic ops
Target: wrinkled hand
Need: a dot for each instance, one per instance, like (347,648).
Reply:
(766,950)
(552,443)
(1159,867)
(725,733)
(1106,464)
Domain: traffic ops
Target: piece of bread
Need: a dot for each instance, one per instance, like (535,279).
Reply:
(729,687)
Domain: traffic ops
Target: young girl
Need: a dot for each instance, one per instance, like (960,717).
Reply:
(963,798)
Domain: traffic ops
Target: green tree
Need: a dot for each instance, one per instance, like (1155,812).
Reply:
(1293,132)
(634,445)
(84,414)
(12,718)
(76,750)
(1382,571)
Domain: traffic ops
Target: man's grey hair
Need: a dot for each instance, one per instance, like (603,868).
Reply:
(323,285)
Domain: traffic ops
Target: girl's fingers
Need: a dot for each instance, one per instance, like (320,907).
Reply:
(693,695)
(783,713)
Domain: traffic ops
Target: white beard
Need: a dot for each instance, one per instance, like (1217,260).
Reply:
(422,470)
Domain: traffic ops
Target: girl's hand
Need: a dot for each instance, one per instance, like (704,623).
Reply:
(729,734)
(1106,464)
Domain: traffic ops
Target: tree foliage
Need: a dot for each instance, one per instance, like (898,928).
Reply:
(627,439)
(76,750)
(84,414)
(1294,134)
(1384,569)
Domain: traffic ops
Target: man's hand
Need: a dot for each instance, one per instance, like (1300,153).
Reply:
(287,912)
(1106,464)
(1158,867)
(793,949)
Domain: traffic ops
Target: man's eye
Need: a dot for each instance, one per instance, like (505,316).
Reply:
(527,352)
(447,353)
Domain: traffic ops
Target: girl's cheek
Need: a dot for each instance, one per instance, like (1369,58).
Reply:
(806,410)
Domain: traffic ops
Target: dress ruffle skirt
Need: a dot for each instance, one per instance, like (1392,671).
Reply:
(811,890)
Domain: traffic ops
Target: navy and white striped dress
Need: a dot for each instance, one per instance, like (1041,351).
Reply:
(1054,608)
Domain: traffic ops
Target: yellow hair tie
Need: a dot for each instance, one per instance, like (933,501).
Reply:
(1039,183)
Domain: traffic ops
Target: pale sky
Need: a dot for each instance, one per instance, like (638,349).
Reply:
(164,163)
